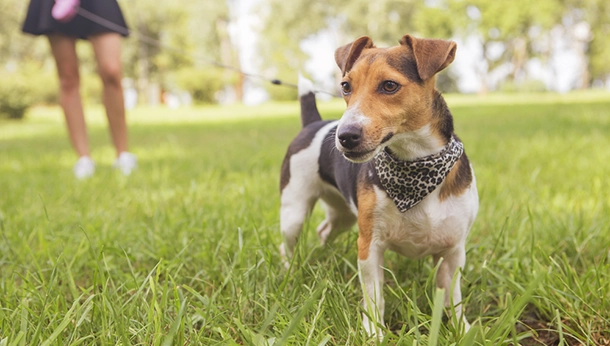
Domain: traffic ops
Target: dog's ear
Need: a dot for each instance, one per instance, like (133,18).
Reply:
(347,55)
(431,56)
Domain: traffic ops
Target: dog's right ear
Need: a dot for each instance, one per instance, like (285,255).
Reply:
(347,55)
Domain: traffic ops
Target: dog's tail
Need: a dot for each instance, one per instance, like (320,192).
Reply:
(307,97)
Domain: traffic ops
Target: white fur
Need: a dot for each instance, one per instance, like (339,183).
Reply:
(305,86)
(353,116)
(429,228)
(415,144)
(433,227)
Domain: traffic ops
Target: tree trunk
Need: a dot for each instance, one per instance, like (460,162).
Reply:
(519,59)
(228,54)
(143,65)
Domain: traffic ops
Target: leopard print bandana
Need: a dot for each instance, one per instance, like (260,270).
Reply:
(409,182)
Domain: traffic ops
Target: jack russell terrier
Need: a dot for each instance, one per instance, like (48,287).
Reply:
(392,163)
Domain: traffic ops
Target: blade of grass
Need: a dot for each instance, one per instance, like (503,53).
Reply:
(437,316)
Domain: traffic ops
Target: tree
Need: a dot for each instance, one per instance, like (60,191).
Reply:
(15,46)
(509,33)
(288,23)
(587,23)
(187,34)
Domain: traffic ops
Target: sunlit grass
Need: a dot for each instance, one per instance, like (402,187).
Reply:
(185,250)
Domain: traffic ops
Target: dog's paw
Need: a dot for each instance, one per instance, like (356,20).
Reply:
(371,329)
(284,256)
(466,325)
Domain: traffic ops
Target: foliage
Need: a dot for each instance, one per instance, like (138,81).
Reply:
(185,250)
(16,95)
(281,93)
(91,88)
(191,30)
(446,82)
(203,84)
(15,46)
(196,32)
(189,36)
(288,23)
(527,86)
(596,15)
(521,29)
(510,32)
(40,80)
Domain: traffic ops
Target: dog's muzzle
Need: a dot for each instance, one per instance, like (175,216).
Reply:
(349,137)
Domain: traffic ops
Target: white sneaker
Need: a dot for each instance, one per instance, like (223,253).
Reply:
(84,167)
(126,162)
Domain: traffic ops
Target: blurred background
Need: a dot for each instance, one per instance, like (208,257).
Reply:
(503,46)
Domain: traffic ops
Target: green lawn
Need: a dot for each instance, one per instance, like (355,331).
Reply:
(184,251)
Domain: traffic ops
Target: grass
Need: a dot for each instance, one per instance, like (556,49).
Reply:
(184,251)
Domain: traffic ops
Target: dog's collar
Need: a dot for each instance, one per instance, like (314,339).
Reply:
(409,182)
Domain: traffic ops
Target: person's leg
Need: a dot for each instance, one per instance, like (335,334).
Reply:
(64,52)
(107,49)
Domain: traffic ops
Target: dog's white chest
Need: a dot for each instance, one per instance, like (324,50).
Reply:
(429,228)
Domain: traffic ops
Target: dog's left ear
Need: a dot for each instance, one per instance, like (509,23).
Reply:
(346,56)
(431,56)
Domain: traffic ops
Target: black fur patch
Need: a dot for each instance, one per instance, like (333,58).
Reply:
(463,177)
(387,137)
(407,66)
(337,170)
(309,109)
(442,115)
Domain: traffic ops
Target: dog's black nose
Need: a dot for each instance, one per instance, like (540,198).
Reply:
(350,136)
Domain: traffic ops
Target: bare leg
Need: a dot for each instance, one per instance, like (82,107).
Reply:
(64,52)
(107,49)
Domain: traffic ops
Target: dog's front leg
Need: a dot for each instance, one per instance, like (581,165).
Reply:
(370,262)
(451,264)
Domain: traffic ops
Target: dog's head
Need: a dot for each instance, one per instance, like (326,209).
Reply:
(388,91)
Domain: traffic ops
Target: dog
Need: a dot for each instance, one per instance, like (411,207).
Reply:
(392,163)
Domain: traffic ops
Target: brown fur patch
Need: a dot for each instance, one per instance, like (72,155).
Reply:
(458,180)
(366,219)
(432,56)
(347,55)
(412,65)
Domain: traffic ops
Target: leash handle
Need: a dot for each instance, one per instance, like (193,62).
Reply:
(64,10)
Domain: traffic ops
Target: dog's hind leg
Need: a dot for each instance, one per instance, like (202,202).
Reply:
(451,264)
(293,213)
(339,217)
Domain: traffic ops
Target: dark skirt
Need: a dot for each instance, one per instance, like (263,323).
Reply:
(39,21)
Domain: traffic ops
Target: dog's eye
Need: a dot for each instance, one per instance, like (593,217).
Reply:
(346,88)
(390,87)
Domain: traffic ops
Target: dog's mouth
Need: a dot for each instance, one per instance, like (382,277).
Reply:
(360,156)
(363,152)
